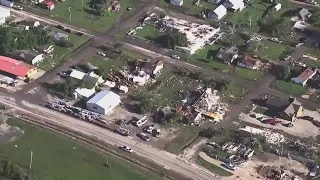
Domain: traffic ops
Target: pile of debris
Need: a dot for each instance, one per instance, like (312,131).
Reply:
(209,105)
(271,137)
(272,172)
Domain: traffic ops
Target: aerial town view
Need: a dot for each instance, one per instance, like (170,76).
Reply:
(159,89)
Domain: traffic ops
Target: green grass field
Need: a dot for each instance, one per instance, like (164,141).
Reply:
(82,15)
(211,167)
(272,50)
(60,158)
(232,93)
(188,6)
(61,53)
(149,32)
(290,88)
(248,74)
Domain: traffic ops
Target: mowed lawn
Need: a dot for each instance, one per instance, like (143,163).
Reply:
(248,74)
(272,50)
(60,158)
(206,58)
(290,88)
(149,32)
(83,16)
(62,53)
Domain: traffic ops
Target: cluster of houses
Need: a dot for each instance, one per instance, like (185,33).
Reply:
(230,54)
(105,101)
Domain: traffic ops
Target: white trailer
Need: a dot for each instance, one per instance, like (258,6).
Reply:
(6,3)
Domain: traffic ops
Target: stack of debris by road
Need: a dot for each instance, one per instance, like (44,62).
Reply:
(275,173)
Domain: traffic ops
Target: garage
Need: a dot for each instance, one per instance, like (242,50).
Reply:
(103,102)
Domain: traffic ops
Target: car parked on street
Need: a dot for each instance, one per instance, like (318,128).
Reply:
(17,7)
(126,148)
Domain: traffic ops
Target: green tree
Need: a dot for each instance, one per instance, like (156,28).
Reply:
(253,47)
(281,28)
(315,18)
(287,72)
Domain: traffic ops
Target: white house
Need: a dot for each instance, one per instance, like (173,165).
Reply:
(304,77)
(27,56)
(85,93)
(176,2)
(235,5)
(4,14)
(103,102)
(218,13)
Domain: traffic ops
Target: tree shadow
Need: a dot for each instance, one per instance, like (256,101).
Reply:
(212,53)
(91,12)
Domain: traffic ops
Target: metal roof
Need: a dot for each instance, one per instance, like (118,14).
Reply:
(104,98)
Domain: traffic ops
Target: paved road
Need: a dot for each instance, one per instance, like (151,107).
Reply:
(169,161)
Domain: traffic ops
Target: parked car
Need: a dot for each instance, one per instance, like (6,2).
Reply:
(299,45)
(256,38)
(144,137)
(150,128)
(176,56)
(64,74)
(313,2)
(230,166)
(102,54)
(296,63)
(287,57)
(126,148)
(60,27)
(276,40)
(17,7)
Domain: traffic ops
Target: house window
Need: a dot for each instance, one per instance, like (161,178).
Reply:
(94,107)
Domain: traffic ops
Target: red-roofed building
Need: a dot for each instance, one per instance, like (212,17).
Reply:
(16,68)
(249,62)
(304,76)
(49,5)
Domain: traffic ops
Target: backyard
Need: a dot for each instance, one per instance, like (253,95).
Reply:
(149,32)
(188,6)
(272,50)
(290,88)
(82,15)
(62,53)
(57,157)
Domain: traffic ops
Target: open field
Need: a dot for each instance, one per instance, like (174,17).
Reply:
(62,53)
(56,157)
(82,15)
(289,88)
(184,136)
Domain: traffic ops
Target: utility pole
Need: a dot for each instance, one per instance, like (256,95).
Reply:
(30,165)
(82,3)
(250,23)
(69,9)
